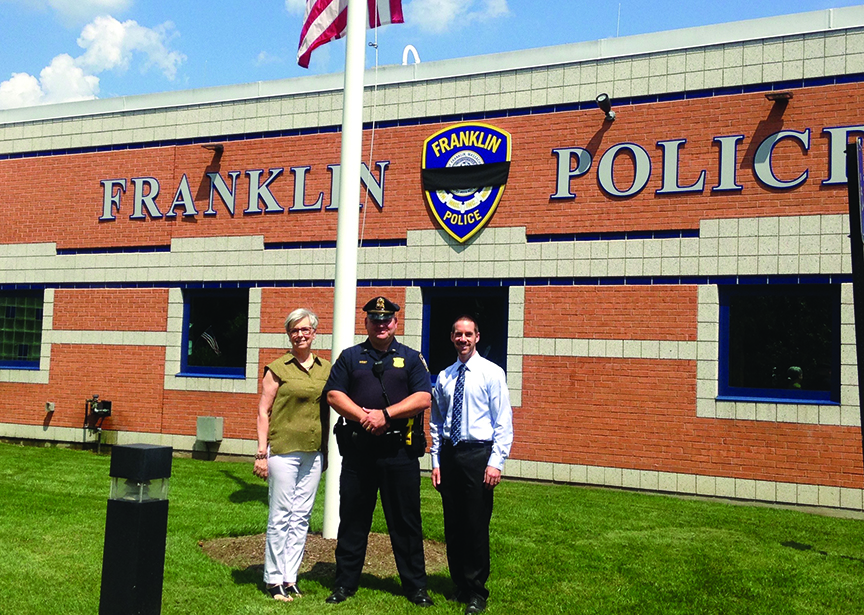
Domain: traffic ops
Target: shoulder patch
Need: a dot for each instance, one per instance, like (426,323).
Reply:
(423,361)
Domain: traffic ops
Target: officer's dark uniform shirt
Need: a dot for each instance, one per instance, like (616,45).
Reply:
(404,373)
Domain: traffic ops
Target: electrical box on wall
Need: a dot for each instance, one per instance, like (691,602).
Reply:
(209,428)
(49,406)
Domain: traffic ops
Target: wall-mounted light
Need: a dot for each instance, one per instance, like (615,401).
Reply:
(605,104)
(95,412)
(218,148)
(779,96)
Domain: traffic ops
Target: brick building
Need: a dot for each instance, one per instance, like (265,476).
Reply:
(669,291)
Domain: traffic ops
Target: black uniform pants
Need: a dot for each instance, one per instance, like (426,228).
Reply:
(467,512)
(398,480)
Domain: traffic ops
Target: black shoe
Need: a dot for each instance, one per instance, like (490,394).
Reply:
(340,594)
(458,596)
(292,590)
(475,604)
(277,592)
(420,598)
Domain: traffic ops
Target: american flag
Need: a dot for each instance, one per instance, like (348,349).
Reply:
(211,341)
(326,20)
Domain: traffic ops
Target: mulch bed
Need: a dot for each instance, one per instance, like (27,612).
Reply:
(246,552)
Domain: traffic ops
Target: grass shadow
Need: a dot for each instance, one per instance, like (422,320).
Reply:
(323,573)
(248,491)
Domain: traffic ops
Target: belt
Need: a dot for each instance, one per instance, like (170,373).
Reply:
(467,443)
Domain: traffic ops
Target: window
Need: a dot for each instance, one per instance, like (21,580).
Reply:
(780,343)
(442,306)
(215,323)
(20,329)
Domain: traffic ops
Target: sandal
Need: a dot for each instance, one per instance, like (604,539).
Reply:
(277,592)
(292,589)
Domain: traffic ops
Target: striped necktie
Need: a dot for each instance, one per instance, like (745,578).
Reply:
(458,394)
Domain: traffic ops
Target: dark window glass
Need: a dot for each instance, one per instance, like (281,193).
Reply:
(781,342)
(20,329)
(442,306)
(216,324)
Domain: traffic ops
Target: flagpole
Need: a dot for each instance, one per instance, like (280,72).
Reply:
(345,292)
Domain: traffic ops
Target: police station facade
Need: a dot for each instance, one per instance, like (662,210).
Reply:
(669,291)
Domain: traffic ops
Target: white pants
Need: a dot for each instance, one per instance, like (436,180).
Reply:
(293,480)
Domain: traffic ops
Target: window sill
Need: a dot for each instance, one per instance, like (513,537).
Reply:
(210,375)
(20,366)
(777,400)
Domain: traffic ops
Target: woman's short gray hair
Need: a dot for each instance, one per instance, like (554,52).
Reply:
(298,315)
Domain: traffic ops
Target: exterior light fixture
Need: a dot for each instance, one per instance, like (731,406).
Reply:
(136,525)
(605,104)
(783,97)
(95,412)
(217,148)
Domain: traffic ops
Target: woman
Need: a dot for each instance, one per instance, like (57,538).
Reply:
(292,437)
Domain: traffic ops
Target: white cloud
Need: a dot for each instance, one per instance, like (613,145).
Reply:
(22,90)
(61,81)
(265,57)
(108,44)
(76,12)
(441,15)
(296,6)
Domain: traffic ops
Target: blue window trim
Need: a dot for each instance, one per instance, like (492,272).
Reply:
(25,365)
(744,394)
(196,371)
(237,373)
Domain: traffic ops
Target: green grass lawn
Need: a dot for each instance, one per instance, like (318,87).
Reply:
(556,548)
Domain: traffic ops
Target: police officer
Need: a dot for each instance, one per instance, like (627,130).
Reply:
(381,389)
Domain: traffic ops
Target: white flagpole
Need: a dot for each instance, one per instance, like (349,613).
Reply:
(345,295)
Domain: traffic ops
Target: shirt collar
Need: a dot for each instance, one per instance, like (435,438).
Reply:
(395,347)
(468,363)
(294,359)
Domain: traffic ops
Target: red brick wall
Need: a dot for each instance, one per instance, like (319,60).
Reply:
(76,209)
(182,408)
(277,303)
(627,413)
(111,309)
(641,414)
(612,312)
(131,377)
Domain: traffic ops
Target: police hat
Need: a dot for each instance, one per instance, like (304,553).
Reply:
(380,308)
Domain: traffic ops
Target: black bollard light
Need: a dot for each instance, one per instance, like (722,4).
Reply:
(133,561)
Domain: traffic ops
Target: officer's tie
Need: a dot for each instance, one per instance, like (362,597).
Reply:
(458,393)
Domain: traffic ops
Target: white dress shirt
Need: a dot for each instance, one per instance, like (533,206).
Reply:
(486,411)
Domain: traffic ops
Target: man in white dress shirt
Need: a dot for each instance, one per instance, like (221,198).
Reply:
(471,425)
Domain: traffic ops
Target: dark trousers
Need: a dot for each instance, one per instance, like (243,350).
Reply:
(398,480)
(467,512)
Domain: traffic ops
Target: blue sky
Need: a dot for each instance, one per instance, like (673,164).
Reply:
(59,50)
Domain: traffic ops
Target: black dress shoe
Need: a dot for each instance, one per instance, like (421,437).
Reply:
(420,598)
(340,594)
(458,596)
(475,604)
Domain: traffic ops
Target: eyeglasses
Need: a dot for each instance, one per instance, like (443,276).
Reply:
(305,331)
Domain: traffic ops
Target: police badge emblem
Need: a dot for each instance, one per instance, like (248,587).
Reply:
(465,169)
